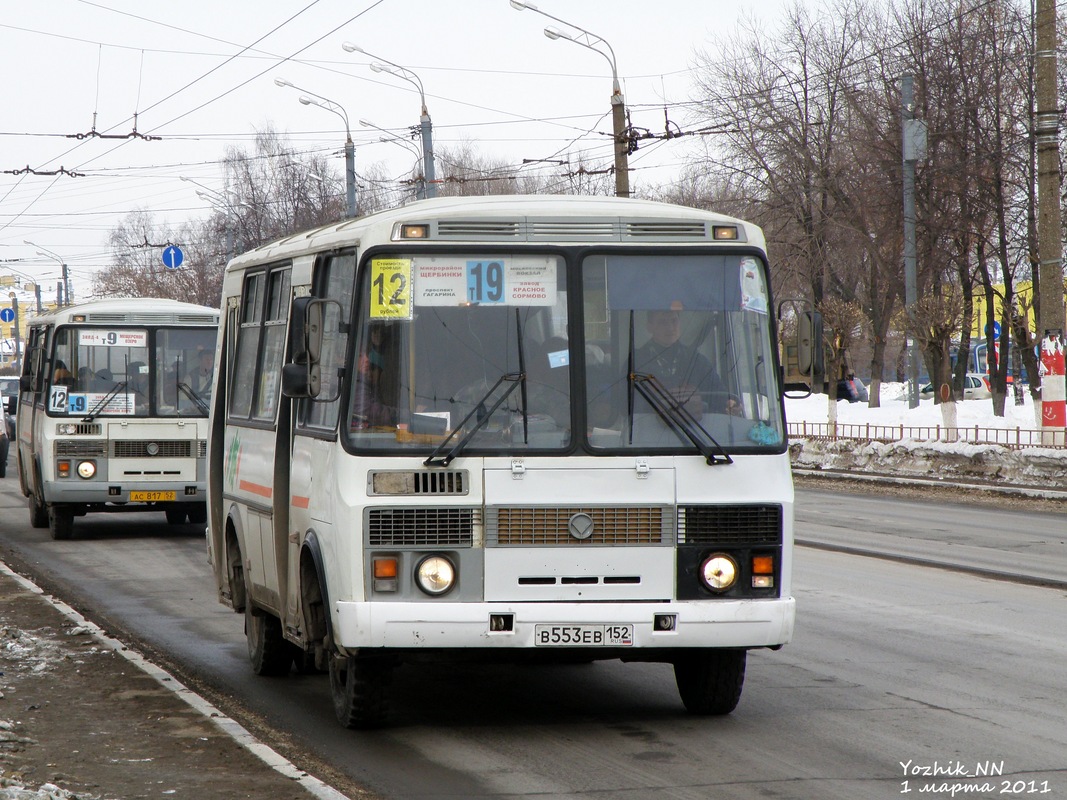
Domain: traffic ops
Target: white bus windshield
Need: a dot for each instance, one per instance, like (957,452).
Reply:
(131,371)
(478,350)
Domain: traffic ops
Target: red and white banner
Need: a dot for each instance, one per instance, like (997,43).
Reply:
(1053,385)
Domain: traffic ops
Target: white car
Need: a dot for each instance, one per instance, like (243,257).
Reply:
(975,387)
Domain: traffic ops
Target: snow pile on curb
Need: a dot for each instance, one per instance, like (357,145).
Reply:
(949,461)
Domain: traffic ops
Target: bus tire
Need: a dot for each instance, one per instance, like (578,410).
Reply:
(61,522)
(360,688)
(176,516)
(710,681)
(268,651)
(38,512)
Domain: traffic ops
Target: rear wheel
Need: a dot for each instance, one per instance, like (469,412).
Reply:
(268,651)
(61,521)
(360,690)
(710,681)
(38,512)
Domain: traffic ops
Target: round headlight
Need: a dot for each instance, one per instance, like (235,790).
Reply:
(719,572)
(66,428)
(435,575)
(86,469)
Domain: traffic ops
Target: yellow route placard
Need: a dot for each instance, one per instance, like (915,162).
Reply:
(390,288)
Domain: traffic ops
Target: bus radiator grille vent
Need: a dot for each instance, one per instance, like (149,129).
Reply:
(683,229)
(730,525)
(96,448)
(551,526)
(421,527)
(181,448)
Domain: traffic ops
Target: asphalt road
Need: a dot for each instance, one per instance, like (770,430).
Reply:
(892,663)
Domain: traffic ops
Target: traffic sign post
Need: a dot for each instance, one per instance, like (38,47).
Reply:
(173,256)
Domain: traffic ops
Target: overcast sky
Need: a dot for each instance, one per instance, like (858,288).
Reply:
(200,74)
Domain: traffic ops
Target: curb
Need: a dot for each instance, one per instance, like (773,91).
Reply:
(226,724)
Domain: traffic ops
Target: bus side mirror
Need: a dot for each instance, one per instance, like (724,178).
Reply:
(810,343)
(302,376)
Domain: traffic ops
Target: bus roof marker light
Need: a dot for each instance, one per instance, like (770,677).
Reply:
(722,233)
(414,231)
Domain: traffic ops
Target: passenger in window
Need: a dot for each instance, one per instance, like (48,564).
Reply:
(682,370)
(199,379)
(369,408)
(62,376)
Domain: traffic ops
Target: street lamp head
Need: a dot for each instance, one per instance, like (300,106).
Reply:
(378,67)
(348,47)
(306,101)
(555,33)
(282,82)
(520,5)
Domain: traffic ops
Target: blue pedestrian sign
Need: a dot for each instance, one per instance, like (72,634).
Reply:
(7,315)
(173,256)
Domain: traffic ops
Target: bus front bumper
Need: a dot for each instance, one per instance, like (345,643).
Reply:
(705,623)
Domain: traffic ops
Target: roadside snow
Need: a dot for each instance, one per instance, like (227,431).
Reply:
(948,461)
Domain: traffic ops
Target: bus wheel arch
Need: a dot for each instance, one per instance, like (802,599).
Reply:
(235,569)
(315,603)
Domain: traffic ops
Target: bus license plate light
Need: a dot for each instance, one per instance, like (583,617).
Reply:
(584,635)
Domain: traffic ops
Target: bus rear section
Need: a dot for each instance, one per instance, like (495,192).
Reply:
(113,411)
(542,451)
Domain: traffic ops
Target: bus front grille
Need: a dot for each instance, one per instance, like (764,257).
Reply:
(84,448)
(730,524)
(578,525)
(155,448)
(421,527)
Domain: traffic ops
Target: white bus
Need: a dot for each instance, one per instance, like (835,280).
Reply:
(503,427)
(113,410)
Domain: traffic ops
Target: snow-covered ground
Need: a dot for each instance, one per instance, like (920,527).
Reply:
(948,461)
(894,411)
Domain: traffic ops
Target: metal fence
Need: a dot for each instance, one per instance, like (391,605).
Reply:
(1014,438)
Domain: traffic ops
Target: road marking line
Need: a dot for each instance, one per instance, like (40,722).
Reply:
(226,724)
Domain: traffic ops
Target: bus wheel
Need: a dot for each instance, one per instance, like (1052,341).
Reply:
(61,521)
(360,690)
(268,651)
(38,512)
(710,681)
(176,516)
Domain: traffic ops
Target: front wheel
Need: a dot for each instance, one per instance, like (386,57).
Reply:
(360,690)
(61,521)
(268,651)
(710,681)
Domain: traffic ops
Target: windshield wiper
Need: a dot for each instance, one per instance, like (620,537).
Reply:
(678,418)
(103,403)
(188,391)
(435,460)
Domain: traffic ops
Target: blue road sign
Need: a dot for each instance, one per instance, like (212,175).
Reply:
(173,257)
(7,315)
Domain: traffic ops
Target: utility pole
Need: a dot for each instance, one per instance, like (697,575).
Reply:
(1050,249)
(914,148)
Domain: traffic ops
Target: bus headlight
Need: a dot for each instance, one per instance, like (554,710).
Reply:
(718,572)
(435,575)
(86,469)
(67,428)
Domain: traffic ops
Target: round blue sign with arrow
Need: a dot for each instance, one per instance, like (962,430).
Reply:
(173,256)
(7,315)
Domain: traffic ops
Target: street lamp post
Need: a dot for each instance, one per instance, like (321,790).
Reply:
(407,144)
(350,149)
(591,41)
(43,251)
(425,125)
(220,203)
(36,283)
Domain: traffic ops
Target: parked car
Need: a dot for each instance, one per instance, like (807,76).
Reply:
(9,388)
(975,387)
